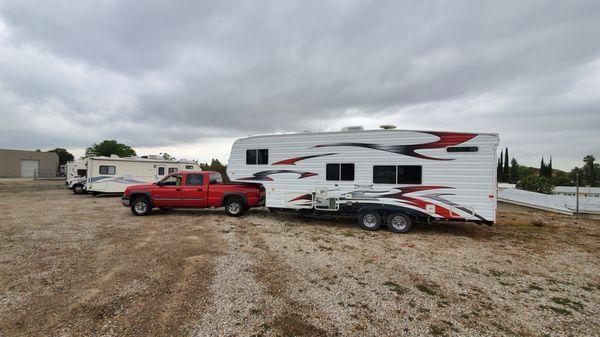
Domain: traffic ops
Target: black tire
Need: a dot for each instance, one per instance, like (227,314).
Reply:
(370,221)
(141,206)
(234,206)
(399,223)
(78,189)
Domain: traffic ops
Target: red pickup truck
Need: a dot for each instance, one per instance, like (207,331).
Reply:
(198,189)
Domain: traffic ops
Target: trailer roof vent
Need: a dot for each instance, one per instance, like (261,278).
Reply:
(154,156)
(352,128)
(387,127)
(114,156)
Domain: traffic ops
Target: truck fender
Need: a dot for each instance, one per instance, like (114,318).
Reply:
(234,194)
(135,195)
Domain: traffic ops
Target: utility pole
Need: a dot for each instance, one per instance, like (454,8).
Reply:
(577,194)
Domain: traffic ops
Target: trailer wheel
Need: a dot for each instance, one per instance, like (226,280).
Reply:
(141,206)
(78,189)
(234,206)
(369,220)
(399,223)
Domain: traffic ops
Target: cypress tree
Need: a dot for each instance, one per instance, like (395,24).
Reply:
(549,169)
(506,168)
(542,168)
(514,171)
(500,165)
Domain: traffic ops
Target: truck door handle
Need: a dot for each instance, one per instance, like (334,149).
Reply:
(200,190)
(178,189)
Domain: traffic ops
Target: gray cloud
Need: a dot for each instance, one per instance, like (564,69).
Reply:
(162,73)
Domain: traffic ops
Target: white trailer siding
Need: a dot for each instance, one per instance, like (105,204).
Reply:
(113,175)
(452,182)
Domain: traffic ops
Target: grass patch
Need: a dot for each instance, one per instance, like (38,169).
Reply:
(534,286)
(348,234)
(255,311)
(398,289)
(577,306)
(437,330)
(425,289)
(498,273)
(557,310)
(325,248)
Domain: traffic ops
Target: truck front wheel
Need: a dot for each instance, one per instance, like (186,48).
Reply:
(141,206)
(78,189)
(234,206)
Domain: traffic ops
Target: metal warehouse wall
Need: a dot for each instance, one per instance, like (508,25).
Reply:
(10,163)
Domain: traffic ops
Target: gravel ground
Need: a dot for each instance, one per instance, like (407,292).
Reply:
(79,265)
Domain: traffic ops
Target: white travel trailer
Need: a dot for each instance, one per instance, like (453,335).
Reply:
(75,172)
(385,176)
(113,174)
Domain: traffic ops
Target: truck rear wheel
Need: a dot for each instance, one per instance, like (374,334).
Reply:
(369,220)
(234,206)
(399,223)
(141,206)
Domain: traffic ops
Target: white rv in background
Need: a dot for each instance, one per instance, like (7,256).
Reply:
(385,176)
(113,174)
(75,172)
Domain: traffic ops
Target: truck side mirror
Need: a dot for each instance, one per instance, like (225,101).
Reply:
(159,183)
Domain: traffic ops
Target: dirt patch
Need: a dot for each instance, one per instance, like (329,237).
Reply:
(79,265)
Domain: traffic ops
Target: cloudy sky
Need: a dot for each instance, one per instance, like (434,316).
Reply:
(189,77)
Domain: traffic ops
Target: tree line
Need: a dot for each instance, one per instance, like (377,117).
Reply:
(544,178)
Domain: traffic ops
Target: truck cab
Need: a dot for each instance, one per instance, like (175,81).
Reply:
(198,189)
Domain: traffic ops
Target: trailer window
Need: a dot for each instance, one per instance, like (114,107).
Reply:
(462,149)
(257,157)
(189,167)
(384,174)
(172,169)
(402,174)
(81,173)
(409,175)
(339,172)
(110,170)
(194,180)
(161,171)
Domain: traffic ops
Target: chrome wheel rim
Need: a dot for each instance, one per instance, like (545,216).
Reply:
(141,207)
(370,220)
(234,208)
(399,222)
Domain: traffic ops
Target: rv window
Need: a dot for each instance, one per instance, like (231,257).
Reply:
(189,167)
(194,180)
(340,172)
(263,157)
(333,172)
(260,157)
(409,175)
(81,173)
(462,149)
(172,169)
(250,157)
(384,174)
(110,170)
(161,171)
(347,172)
